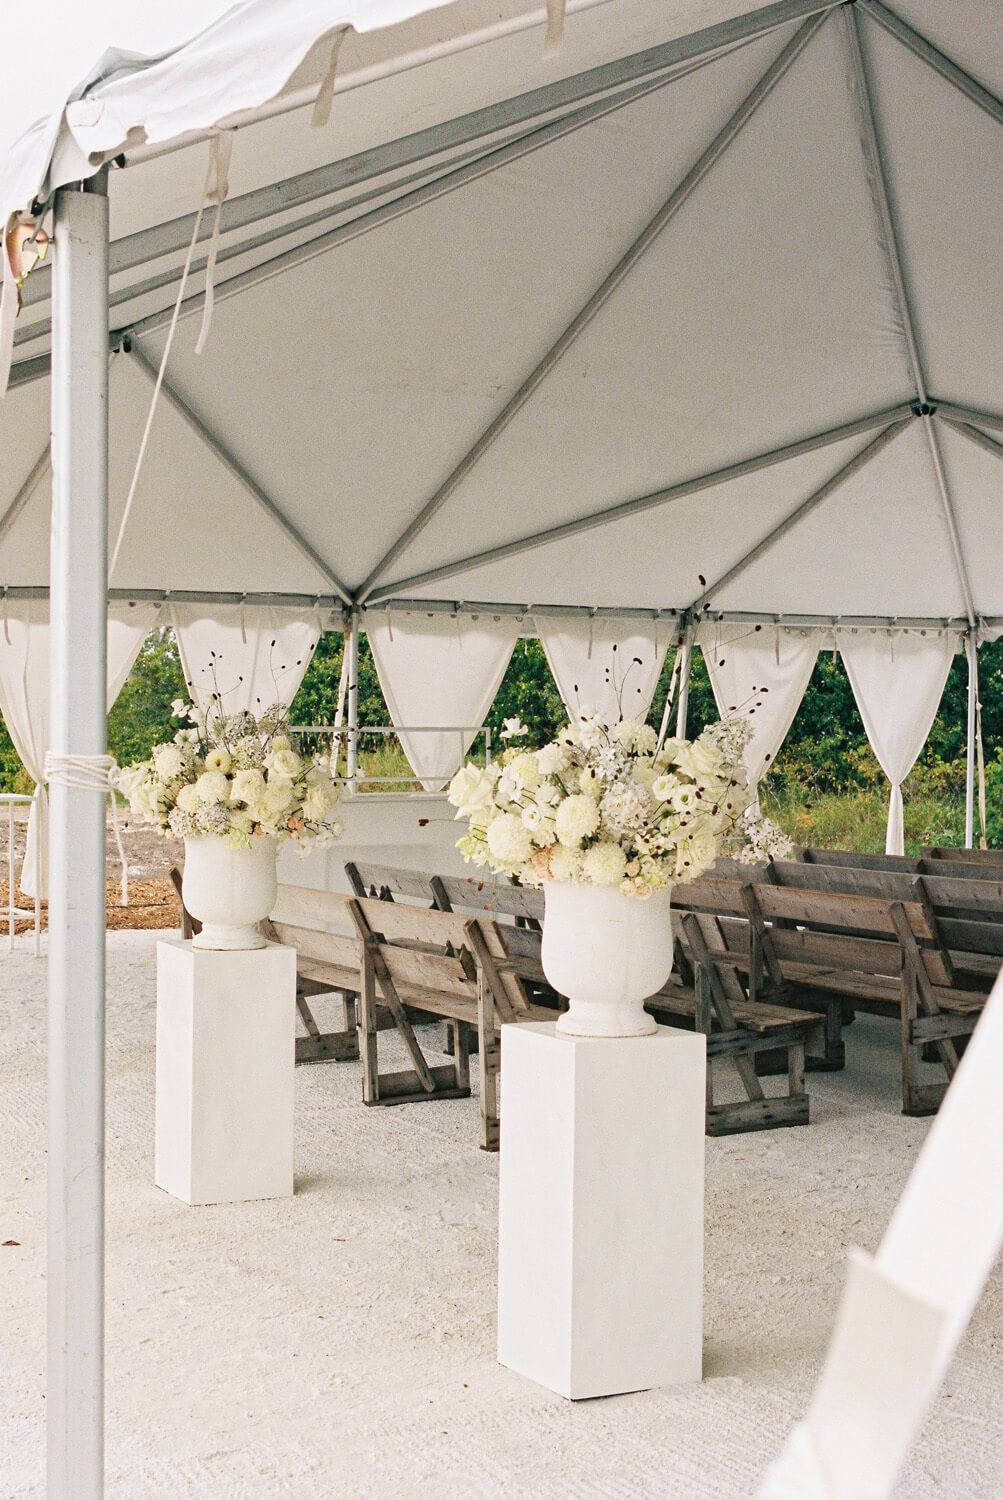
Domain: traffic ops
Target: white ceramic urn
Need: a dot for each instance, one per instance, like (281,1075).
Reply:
(607,953)
(229,890)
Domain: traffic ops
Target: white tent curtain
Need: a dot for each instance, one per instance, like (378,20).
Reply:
(605,666)
(759,673)
(440,670)
(898,682)
(24,698)
(253,656)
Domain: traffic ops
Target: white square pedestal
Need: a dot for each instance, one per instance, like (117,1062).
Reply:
(226,1045)
(601,1227)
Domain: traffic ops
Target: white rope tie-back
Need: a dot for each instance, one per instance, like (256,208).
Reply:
(91,773)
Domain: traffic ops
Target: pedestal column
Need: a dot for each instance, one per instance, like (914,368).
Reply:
(600,1274)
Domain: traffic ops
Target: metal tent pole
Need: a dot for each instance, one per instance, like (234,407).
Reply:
(352,649)
(973,699)
(686,652)
(78,627)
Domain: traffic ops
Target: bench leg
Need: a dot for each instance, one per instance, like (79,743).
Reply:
(328,1046)
(488,1060)
(918,1099)
(368,1038)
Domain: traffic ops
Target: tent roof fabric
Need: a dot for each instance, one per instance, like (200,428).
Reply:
(701,313)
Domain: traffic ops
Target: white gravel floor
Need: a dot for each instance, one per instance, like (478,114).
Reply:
(341,1343)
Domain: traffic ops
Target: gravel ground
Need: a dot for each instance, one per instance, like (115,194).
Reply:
(341,1342)
(152,901)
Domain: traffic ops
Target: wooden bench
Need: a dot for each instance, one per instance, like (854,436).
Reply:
(738,1033)
(886,956)
(415,964)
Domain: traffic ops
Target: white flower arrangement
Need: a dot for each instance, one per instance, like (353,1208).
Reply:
(234,777)
(606,803)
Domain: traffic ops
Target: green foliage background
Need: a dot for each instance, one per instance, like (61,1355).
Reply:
(826,786)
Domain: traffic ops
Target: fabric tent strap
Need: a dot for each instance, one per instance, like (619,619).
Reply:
(98,773)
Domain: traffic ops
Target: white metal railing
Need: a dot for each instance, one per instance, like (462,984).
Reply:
(354,777)
(17,913)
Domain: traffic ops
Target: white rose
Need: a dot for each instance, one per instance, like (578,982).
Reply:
(283,761)
(551,758)
(319,800)
(470,791)
(702,758)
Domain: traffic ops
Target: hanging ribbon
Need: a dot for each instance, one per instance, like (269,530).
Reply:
(554,39)
(325,94)
(216,188)
(212,179)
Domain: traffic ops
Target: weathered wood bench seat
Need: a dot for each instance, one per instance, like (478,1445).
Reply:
(882,953)
(414,963)
(737,1032)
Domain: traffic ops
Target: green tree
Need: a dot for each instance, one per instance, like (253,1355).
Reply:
(141,715)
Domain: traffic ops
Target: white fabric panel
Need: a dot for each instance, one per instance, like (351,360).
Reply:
(945,173)
(898,682)
(879,545)
(24,697)
(760,674)
(240,59)
(437,670)
(660,557)
(775,251)
(975,479)
(252,656)
(605,666)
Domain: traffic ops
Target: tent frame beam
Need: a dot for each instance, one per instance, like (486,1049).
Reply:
(200,427)
(585,315)
(889,235)
(401,605)
(835,482)
(916,43)
(448,181)
(641,503)
(36,474)
(173,236)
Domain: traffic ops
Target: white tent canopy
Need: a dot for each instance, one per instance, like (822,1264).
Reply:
(786,407)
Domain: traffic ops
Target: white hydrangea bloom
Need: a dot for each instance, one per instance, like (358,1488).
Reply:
(577,819)
(604,863)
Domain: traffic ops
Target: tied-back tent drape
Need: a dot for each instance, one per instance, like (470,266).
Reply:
(248,660)
(759,673)
(898,682)
(25,699)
